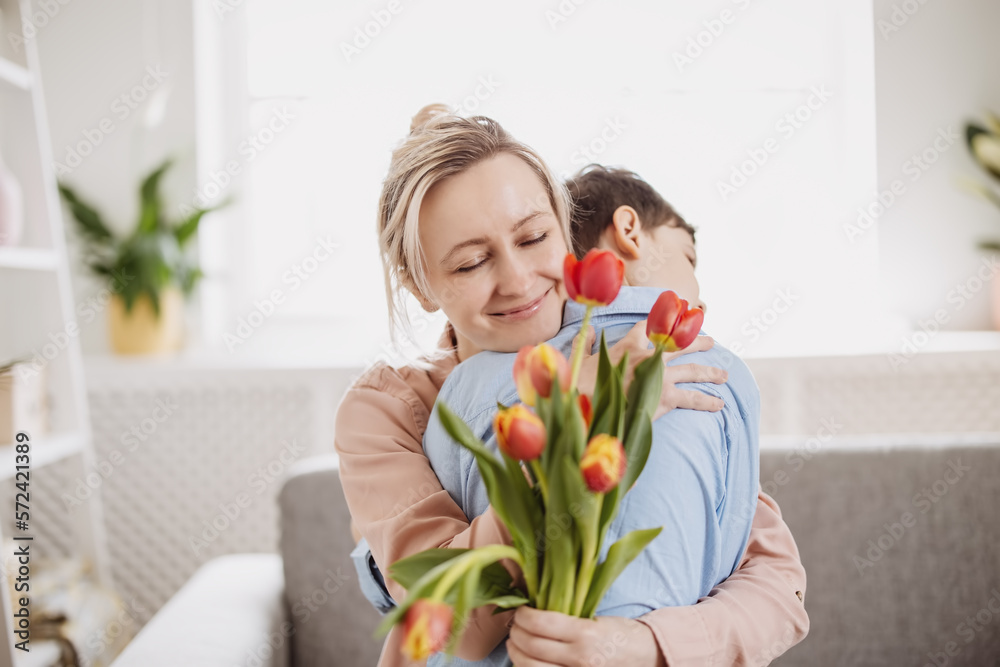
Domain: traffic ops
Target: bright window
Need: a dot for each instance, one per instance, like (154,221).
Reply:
(755,120)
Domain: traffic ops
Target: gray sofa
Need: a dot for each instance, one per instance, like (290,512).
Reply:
(901,546)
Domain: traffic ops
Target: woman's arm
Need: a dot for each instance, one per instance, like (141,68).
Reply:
(757,610)
(395,499)
(750,618)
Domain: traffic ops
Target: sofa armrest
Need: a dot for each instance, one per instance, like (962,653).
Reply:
(231,612)
(334,622)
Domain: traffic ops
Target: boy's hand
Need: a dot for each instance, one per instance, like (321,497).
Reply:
(637,345)
(671,397)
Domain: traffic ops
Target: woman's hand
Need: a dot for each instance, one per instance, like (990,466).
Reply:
(550,639)
(637,345)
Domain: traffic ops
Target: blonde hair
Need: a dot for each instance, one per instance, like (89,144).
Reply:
(441,144)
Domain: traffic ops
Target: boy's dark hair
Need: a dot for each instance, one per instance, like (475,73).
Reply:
(597,192)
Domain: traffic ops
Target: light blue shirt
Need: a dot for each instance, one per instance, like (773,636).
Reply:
(700,481)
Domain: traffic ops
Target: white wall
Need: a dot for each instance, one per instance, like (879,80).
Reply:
(935,68)
(93,53)
(932,72)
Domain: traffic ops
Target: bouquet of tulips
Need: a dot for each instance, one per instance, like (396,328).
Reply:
(566,459)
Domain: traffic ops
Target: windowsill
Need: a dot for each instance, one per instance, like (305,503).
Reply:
(943,342)
(288,351)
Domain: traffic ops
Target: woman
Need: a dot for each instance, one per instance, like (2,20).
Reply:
(521,221)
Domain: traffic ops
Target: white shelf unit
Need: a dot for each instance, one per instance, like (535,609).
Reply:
(37,317)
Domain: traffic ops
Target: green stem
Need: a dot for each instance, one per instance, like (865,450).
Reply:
(462,564)
(590,545)
(578,353)
(543,481)
(542,599)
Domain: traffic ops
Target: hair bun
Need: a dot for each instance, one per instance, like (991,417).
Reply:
(426,114)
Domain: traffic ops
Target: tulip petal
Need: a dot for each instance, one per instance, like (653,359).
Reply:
(520,433)
(664,314)
(522,376)
(571,276)
(688,327)
(601,277)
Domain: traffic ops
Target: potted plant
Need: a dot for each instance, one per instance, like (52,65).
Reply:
(984,145)
(148,270)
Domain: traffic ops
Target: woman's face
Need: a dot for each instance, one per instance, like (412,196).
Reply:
(494,253)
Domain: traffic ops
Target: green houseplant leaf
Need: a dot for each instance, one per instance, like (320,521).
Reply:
(150,258)
(88,220)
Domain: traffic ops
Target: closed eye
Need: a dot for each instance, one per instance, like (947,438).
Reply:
(538,239)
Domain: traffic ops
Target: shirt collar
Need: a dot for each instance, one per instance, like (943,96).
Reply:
(632,300)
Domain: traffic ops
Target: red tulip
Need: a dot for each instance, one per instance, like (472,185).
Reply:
(603,463)
(671,324)
(534,370)
(586,409)
(426,628)
(596,279)
(520,433)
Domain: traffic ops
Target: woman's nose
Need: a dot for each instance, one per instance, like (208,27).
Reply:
(515,277)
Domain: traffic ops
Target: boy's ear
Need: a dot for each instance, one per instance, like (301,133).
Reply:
(625,230)
(425,303)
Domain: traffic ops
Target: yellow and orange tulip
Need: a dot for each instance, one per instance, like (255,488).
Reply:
(536,368)
(520,433)
(603,463)
(426,628)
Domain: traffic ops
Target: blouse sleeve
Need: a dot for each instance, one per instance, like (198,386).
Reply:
(397,502)
(744,619)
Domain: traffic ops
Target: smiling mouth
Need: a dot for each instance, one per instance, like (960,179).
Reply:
(526,306)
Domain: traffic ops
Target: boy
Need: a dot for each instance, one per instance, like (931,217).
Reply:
(700,481)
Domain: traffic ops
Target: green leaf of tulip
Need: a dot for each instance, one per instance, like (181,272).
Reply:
(620,555)
(407,571)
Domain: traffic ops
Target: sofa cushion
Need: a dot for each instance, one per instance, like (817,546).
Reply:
(334,623)
(901,548)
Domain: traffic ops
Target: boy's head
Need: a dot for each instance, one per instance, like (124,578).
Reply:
(615,210)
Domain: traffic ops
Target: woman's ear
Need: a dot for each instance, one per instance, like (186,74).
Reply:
(425,303)
(625,229)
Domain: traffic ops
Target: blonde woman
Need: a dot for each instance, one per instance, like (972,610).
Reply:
(521,225)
